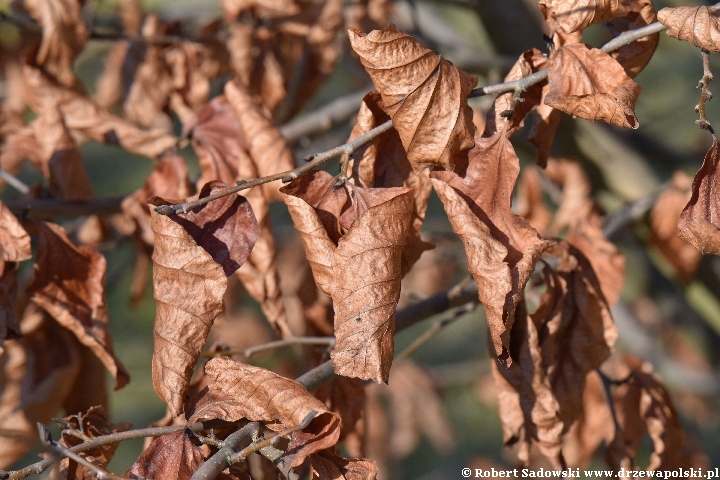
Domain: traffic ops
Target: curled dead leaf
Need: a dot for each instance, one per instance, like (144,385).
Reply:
(169,456)
(206,245)
(327,465)
(238,390)
(699,26)
(14,248)
(574,15)
(425,95)
(588,83)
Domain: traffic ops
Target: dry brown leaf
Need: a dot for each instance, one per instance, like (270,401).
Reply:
(503,247)
(530,203)
(589,83)
(90,424)
(86,119)
(664,218)
(241,391)
(346,397)
(570,334)
(266,146)
(383,163)
(169,456)
(36,375)
(635,56)
(69,284)
(700,219)
(508,112)
(233,8)
(544,126)
(362,274)
(699,26)
(326,465)
(63,37)
(425,95)
(14,248)
(580,214)
(574,15)
(207,245)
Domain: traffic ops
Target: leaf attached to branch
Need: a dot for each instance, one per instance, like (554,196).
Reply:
(699,26)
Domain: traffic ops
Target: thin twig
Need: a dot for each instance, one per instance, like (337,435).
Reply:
(272,441)
(323,119)
(250,351)
(705,94)
(14,182)
(609,398)
(434,329)
(221,460)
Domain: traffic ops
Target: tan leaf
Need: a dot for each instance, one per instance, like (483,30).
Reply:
(383,163)
(508,113)
(63,37)
(589,83)
(37,374)
(85,118)
(345,397)
(241,391)
(482,187)
(530,202)
(169,456)
(268,149)
(664,218)
(699,26)
(233,8)
(14,248)
(90,424)
(570,334)
(207,245)
(69,284)
(543,128)
(580,214)
(700,219)
(636,55)
(326,465)
(425,95)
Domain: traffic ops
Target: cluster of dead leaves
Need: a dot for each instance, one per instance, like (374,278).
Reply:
(361,232)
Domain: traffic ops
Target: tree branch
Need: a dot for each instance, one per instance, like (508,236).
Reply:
(250,351)
(221,460)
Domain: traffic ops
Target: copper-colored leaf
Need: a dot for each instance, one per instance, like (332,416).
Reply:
(90,424)
(530,202)
(383,163)
(170,456)
(589,83)
(326,465)
(69,284)
(636,55)
(699,26)
(425,95)
(508,111)
(194,254)
(700,219)
(664,218)
(542,131)
(241,391)
(570,334)
(482,187)
(14,248)
(268,149)
(63,37)
(346,397)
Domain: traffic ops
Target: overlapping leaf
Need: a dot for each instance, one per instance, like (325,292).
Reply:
(194,254)
(169,456)
(700,219)
(241,391)
(14,248)
(326,465)
(575,15)
(425,95)
(362,274)
(699,26)
(502,248)
(570,334)
(69,284)
(588,83)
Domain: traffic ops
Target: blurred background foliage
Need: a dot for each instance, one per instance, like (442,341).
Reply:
(672,323)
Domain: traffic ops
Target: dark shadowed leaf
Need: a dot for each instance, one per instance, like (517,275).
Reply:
(326,465)
(170,456)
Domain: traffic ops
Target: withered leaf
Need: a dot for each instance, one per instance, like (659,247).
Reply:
(543,128)
(346,397)
(14,248)
(63,37)
(482,187)
(425,95)
(241,391)
(574,15)
(664,218)
(508,112)
(362,274)
(699,26)
(69,284)
(570,334)
(589,83)
(700,219)
(194,254)
(90,424)
(169,456)
(530,202)
(383,163)
(326,465)
(268,149)
(636,55)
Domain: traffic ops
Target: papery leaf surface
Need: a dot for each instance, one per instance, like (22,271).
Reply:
(170,456)
(699,26)
(326,465)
